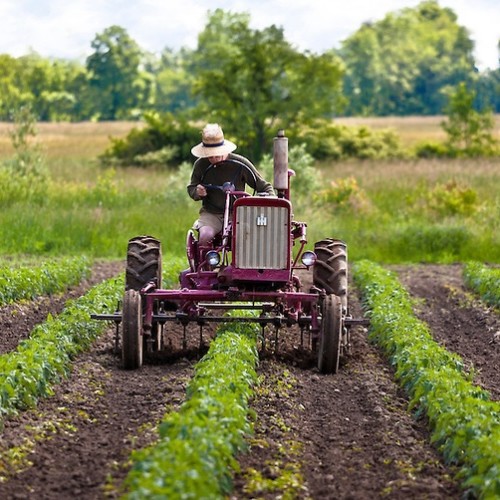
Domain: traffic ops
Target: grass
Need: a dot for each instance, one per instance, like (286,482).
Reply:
(398,211)
(411,129)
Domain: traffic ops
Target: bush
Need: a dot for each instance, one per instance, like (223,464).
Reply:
(343,194)
(164,140)
(432,149)
(327,140)
(307,179)
(24,176)
(452,199)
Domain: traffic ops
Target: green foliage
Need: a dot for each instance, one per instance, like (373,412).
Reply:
(343,194)
(251,81)
(306,181)
(400,64)
(51,277)
(431,149)
(327,140)
(194,456)
(469,131)
(464,421)
(484,280)
(452,198)
(115,77)
(25,175)
(164,140)
(45,357)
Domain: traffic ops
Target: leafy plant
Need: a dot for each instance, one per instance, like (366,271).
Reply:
(195,452)
(24,176)
(483,280)
(52,276)
(40,361)
(464,421)
(453,198)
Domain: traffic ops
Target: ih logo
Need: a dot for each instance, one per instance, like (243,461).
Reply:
(261,220)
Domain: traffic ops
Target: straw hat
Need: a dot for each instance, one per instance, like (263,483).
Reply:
(212,142)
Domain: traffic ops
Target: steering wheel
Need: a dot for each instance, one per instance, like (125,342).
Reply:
(229,185)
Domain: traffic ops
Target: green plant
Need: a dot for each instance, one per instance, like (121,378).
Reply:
(195,452)
(464,421)
(484,280)
(452,198)
(164,138)
(53,276)
(40,361)
(469,131)
(24,176)
(335,141)
(343,193)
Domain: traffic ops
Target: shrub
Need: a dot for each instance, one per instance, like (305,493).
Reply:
(327,140)
(453,199)
(164,139)
(307,179)
(343,194)
(24,176)
(432,149)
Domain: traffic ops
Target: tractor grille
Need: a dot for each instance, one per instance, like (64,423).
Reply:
(262,235)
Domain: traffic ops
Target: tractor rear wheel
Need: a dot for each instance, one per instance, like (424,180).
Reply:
(330,335)
(132,339)
(330,269)
(143,262)
(144,265)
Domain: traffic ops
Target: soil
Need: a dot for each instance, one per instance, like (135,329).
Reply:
(342,436)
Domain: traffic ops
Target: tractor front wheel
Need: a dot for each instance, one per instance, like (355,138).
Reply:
(330,269)
(132,339)
(330,335)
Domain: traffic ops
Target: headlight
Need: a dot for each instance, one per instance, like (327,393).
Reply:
(308,258)
(213,258)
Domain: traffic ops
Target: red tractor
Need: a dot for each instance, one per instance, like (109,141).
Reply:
(252,265)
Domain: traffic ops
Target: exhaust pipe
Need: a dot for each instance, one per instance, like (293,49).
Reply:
(280,159)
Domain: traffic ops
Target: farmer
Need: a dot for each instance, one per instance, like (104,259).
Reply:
(215,150)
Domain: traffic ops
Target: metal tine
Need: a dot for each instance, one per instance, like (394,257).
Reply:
(184,338)
(201,335)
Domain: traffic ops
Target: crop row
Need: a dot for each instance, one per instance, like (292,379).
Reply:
(465,423)
(194,455)
(28,282)
(40,361)
(484,280)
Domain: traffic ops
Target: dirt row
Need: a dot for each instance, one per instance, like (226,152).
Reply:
(343,436)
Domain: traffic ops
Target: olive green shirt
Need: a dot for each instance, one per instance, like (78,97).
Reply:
(222,172)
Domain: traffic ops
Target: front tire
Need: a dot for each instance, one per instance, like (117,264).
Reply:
(330,269)
(330,335)
(132,338)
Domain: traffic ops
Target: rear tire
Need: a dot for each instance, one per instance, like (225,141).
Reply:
(144,265)
(132,339)
(143,262)
(330,269)
(330,335)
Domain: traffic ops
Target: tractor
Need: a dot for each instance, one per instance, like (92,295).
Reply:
(254,263)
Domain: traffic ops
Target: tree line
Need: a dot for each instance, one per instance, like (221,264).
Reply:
(406,63)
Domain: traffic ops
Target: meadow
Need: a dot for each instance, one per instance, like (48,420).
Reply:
(387,211)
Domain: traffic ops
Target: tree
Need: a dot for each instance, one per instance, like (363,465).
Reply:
(254,81)
(401,64)
(469,131)
(115,77)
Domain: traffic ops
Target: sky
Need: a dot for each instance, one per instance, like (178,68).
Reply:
(66,28)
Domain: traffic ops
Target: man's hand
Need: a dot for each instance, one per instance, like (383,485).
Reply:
(201,191)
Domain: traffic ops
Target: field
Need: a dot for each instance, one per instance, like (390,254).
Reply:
(351,435)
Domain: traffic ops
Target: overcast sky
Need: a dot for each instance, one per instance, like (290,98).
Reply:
(65,28)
